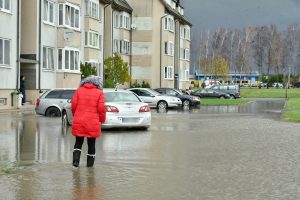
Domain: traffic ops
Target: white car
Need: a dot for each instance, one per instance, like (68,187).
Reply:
(155,99)
(123,109)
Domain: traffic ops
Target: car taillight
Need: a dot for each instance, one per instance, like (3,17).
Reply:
(37,103)
(144,109)
(112,109)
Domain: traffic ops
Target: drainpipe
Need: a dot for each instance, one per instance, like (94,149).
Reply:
(176,53)
(130,53)
(40,43)
(160,52)
(104,14)
(18,45)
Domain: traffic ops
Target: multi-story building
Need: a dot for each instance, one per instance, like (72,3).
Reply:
(9,50)
(160,43)
(118,30)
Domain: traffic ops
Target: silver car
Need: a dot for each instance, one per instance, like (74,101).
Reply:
(123,109)
(155,99)
(51,102)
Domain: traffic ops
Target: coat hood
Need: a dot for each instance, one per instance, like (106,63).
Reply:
(95,80)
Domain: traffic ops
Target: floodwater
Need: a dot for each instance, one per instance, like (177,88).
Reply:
(231,152)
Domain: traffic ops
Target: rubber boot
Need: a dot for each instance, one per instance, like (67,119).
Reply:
(76,157)
(90,160)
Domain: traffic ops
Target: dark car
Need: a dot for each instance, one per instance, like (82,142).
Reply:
(232,90)
(208,93)
(186,99)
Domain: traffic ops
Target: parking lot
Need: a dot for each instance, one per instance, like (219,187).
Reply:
(230,152)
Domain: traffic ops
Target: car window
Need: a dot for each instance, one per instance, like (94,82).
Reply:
(145,93)
(223,87)
(153,92)
(170,92)
(54,94)
(161,90)
(214,87)
(231,87)
(67,94)
(136,92)
(120,97)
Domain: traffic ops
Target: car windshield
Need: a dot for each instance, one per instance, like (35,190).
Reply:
(120,97)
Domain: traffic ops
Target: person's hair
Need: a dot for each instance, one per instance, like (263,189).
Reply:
(96,80)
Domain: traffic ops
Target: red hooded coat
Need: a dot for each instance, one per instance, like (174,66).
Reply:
(88,108)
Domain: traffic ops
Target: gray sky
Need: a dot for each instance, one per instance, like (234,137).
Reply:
(237,14)
(209,14)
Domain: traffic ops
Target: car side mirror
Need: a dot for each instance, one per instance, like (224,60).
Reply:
(69,100)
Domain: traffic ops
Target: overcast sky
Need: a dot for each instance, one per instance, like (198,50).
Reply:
(209,14)
(237,14)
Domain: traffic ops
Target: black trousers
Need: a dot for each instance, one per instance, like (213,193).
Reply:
(91,144)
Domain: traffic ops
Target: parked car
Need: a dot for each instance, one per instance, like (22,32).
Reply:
(296,84)
(123,109)
(51,102)
(208,93)
(155,99)
(232,90)
(277,85)
(186,99)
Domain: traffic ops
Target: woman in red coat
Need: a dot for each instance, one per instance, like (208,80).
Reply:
(89,112)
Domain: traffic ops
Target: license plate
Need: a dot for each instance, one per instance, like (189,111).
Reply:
(130,120)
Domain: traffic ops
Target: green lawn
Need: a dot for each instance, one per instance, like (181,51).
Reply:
(292,110)
(270,93)
(217,102)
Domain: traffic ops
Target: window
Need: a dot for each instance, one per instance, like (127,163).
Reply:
(4,51)
(48,58)
(48,11)
(169,24)
(124,46)
(69,16)
(169,72)
(169,48)
(68,60)
(116,46)
(122,20)
(187,74)
(92,9)
(5,5)
(93,39)
(187,54)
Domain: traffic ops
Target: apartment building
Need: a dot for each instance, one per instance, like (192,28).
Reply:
(160,43)
(118,31)
(9,46)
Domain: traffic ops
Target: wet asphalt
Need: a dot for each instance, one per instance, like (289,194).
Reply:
(216,152)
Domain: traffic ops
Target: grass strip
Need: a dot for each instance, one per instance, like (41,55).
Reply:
(222,102)
(292,110)
(270,93)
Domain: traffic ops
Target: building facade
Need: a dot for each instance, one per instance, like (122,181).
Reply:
(160,43)
(47,40)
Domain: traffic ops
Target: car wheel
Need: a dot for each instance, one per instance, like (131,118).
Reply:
(221,97)
(53,112)
(232,97)
(162,105)
(64,119)
(186,103)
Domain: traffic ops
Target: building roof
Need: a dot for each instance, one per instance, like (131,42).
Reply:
(121,5)
(176,14)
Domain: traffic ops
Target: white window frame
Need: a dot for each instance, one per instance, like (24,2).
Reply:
(169,48)
(116,47)
(3,7)
(62,19)
(93,40)
(169,72)
(124,20)
(48,59)
(187,54)
(124,46)
(46,11)
(68,51)
(169,23)
(93,12)
(3,53)
(186,75)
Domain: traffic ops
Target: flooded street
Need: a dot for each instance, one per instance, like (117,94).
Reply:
(232,152)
